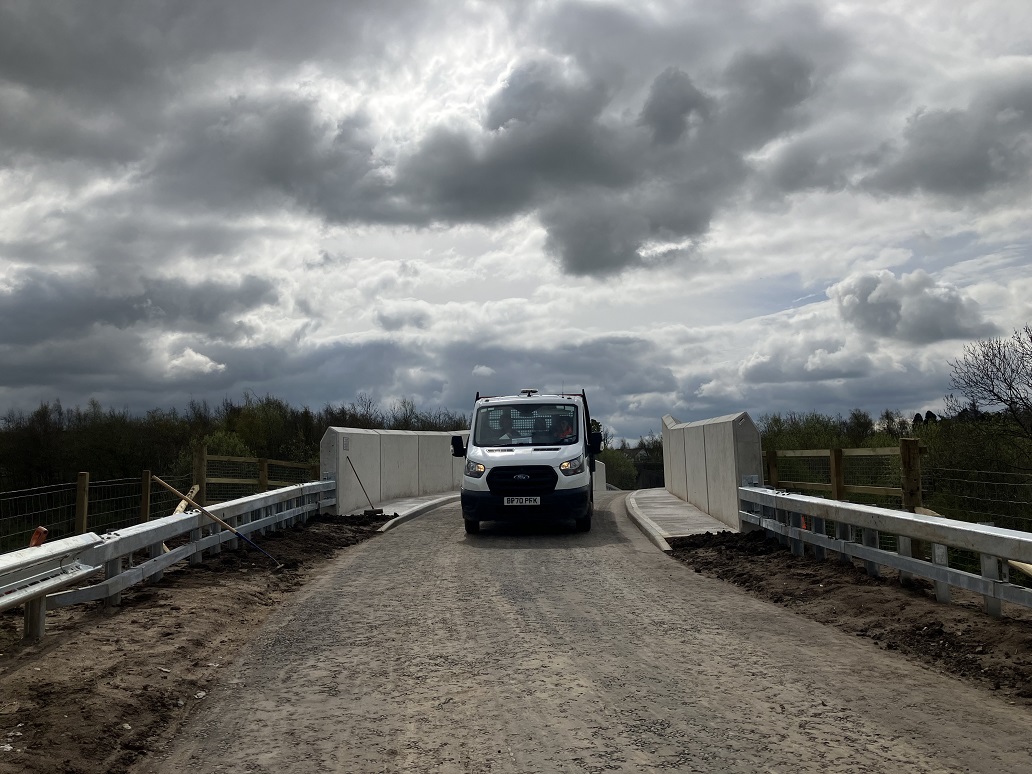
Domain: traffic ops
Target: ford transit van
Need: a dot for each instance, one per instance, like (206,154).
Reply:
(530,456)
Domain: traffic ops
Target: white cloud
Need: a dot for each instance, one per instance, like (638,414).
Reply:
(913,308)
(190,362)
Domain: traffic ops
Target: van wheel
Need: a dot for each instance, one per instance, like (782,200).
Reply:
(472,526)
(584,524)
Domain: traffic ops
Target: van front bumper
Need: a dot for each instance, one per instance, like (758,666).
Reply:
(560,504)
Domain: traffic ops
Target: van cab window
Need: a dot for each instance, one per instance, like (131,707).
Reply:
(525,423)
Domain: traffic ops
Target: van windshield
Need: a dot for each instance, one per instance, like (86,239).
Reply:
(525,423)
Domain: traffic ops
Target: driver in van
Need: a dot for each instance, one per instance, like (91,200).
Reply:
(564,429)
(505,430)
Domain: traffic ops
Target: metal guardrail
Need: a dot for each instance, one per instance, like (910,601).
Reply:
(28,575)
(800,520)
(83,556)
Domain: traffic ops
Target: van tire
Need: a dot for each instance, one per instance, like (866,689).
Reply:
(472,526)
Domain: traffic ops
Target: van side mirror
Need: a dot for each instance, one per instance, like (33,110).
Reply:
(595,443)
(457,449)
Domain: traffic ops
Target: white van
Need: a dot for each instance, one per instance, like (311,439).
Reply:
(530,456)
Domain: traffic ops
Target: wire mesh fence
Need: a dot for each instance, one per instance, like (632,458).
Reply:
(118,503)
(228,478)
(983,497)
(23,510)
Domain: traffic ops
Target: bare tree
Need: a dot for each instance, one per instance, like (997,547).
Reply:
(995,375)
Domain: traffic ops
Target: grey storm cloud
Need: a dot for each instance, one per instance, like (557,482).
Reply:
(672,102)
(42,305)
(766,92)
(805,360)
(913,308)
(604,187)
(397,320)
(958,153)
(630,365)
(618,172)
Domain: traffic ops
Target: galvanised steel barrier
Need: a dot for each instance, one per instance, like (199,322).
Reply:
(852,530)
(34,576)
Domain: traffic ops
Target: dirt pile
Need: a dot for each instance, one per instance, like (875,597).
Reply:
(958,638)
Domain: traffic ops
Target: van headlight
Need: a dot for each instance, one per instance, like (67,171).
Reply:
(474,469)
(573,467)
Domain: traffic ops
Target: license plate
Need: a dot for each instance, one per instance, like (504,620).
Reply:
(522,501)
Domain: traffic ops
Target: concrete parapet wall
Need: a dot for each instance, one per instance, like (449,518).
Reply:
(436,464)
(399,464)
(705,462)
(390,464)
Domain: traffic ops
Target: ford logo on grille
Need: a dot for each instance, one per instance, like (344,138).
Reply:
(521,477)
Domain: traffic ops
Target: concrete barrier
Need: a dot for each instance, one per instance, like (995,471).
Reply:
(390,464)
(705,462)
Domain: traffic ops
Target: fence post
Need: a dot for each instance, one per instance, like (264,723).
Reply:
(263,475)
(200,474)
(838,475)
(991,571)
(145,496)
(82,503)
(910,465)
(772,468)
(314,471)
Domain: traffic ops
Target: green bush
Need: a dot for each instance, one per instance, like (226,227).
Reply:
(620,471)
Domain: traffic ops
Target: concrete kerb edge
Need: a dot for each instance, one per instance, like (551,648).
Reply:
(645,524)
(418,511)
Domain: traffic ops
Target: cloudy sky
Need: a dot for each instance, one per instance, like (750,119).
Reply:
(682,207)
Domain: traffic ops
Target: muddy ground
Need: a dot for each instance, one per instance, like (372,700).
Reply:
(109,685)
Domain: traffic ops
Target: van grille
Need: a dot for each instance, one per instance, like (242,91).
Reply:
(508,481)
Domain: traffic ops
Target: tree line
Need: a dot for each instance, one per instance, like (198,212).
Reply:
(51,444)
(986,425)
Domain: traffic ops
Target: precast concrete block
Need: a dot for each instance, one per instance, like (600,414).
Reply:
(399,464)
(721,470)
(358,469)
(695,464)
(678,476)
(435,462)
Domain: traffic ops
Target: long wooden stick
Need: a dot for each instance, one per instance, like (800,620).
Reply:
(215,518)
(352,464)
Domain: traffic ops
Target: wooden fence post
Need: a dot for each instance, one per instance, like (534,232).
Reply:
(314,471)
(82,503)
(838,475)
(910,465)
(263,475)
(145,496)
(200,474)
(772,468)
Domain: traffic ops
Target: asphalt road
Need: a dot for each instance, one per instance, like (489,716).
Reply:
(541,650)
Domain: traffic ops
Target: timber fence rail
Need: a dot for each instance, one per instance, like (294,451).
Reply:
(113,562)
(889,475)
(852,530)
(898,478)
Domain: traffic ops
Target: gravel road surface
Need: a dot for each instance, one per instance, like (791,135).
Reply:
(540,650)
